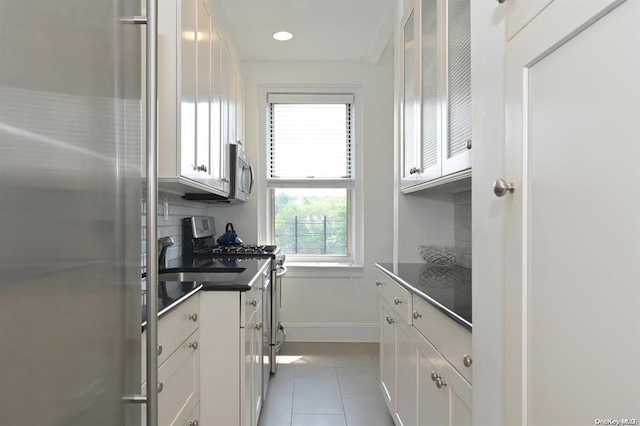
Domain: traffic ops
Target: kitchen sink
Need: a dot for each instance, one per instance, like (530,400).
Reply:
(223,275)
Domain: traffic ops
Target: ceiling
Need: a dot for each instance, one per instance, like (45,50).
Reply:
(324,30)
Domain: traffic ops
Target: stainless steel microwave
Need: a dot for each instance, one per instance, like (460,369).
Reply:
(241,180)
(241,175)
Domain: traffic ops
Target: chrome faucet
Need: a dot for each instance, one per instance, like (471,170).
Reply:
(165,243)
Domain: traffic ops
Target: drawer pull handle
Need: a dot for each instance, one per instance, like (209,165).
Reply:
(440,383)
(434,376)
(390,320)
(159,350)
(160,386)
(193,317)
(194,423)
(416,315)
(254,303)
(397,301)
(193,345)
(378,283)
(467,361)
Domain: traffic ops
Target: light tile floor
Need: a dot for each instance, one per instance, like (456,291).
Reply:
(326,384)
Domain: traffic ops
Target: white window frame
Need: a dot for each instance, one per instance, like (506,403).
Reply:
(266,229)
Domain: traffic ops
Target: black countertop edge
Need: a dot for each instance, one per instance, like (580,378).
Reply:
(175,304)
(251,272)
(466,324)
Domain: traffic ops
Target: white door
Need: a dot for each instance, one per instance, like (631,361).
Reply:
(573,222)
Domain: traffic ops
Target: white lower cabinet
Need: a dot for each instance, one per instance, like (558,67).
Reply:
(231,356)
(179,365)
(406,375)
(252,370)
(444,397)
(388,332)
(421,383)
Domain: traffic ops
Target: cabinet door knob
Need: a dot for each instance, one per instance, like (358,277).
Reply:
(259,326)
(254,303)
(440,383)
(416,315)
(500,188)
(466,360)
(378,283)
(193,345)
(194,423)
(397,301)
(468,143)
(193,317)
(390,320)
(160,386)
(434,376)
(159,350)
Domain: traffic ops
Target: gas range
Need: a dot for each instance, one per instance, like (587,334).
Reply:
(245,250)
(199,245)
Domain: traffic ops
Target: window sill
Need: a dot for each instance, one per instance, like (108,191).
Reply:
(323,269)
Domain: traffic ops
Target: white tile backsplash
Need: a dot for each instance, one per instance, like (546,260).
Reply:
(179,208)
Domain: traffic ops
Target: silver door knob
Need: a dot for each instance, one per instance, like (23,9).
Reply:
(193,317)
(500,187)
(416,315)
(397,301)
(259,326)
(434,376)
(468,143)
(440,383)
(193,345)
(159,350)
(466,360)
(160,386)
(390,320)
(194,423)
(378,283)
(254,303)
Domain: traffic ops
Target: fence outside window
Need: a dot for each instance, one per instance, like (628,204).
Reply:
(312,236)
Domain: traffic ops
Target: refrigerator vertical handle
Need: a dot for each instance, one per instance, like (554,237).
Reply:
(152,210)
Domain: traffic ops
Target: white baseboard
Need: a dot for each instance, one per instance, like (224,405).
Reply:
(332,332)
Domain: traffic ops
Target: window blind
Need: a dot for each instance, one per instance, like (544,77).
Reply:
(310,137)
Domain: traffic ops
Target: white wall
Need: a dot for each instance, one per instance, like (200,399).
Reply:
(331,306)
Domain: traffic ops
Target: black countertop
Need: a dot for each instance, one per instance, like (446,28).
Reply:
(248,268)
(448,288)
(172,293)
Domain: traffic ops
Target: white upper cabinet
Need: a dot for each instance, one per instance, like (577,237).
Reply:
(436,90)
(409,103)
(457,113)
(193,99)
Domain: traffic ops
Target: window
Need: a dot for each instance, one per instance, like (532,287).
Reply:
(311,175)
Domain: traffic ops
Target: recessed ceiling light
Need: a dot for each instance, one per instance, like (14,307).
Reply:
(283,36)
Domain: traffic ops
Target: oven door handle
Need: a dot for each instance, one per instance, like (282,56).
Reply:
(282,271)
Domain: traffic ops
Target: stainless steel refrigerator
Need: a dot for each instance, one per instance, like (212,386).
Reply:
(70,216)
